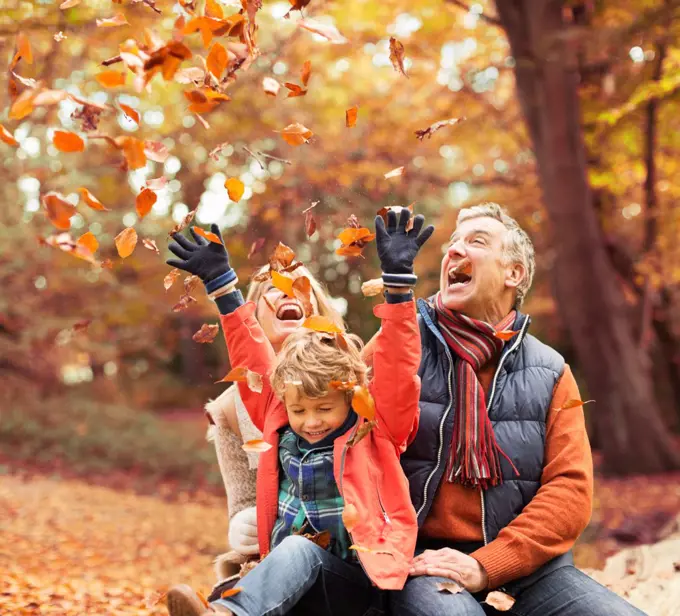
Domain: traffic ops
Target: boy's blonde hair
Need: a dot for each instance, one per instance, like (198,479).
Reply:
(322,299)
(311,360)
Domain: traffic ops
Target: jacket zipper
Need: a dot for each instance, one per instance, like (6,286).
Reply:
(518,340)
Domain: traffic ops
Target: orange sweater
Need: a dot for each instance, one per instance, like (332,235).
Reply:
(550,524)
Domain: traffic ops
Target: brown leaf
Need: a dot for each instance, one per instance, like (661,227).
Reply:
(256,246)
(296,134)
(230,592)
(131,113)
(206,334)
(125,242)
(145,201)
(7,137)
(499,600)
(207,235)
(235,188)
(351,117)
(150,245)
(111,22)
(281,257)
(362,431)
(190,283)
(66,141)
(322,539)
(327,31)
(451,587)
(310,223)
(363,403)
(170,278)
(302,290)
(271,86)
(571,404)
(397,56)
(256,445)
(322,324)
(110,79)
(183,224)
(433,128)
(395,173)
(217,60)
(306,72)
(91,200)
(183,303)
(59,210)
(81,326)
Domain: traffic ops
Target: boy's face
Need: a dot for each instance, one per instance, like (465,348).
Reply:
(315,418)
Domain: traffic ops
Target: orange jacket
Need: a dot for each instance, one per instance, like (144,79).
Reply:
(368,474)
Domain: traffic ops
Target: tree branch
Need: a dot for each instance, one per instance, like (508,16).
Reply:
(493,21)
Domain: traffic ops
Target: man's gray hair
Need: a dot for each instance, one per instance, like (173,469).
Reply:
(517,247)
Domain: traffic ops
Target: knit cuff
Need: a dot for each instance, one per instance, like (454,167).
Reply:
(229,302)
(399,280)
(222,280)
(501,562)
(398,298)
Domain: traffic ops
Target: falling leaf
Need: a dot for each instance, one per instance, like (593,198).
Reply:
(184,223)
(506,334)
(283,283)
(106,264)
(319,323)
(170,278)
(302,290)
(150,245)
(361,548)
(256,445)
(7,137)
(217,60)
(110,79)
(342,385)
(349,251)
(230,592)
(327,31)
(351,117)
(125,242)
(430,130)
(207,235)
(351,235)
(364,429)
(81,326)
(206,334)
(89,242)
(60,36)
(131,113)
(92,201)
(145,201)
(256,246)
(397,56)
(133,150)
(111,22)
(66,141)
(297,5)
(306,72)
(281,258)
(395,173)
(23,49)
(157,183)
(451,587)
(235,188)
(363,403)
(67,4)
(59,210)
(295,90)
(370,288)
(296,134)
(183,303)
(190,283)
(499,600)
(271,86)
(571,404)
(213,9)
(310,223)
(156,151)
(22,106)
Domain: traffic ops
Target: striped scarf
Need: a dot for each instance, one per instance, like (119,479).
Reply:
(474,459)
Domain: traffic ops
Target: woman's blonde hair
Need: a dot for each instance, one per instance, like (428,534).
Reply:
(326,309)
(310,360)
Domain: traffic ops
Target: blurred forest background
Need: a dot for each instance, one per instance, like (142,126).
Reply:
(566,116)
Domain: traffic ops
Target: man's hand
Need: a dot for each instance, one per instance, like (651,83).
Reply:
(243,532)
(451,564)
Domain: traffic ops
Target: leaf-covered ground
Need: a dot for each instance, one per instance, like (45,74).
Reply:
(71,548)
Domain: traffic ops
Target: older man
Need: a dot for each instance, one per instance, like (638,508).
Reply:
(501,477)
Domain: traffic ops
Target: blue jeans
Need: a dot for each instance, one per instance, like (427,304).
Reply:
(298,577)
(564,592)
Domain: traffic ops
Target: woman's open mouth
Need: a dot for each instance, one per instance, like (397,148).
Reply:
(289,311)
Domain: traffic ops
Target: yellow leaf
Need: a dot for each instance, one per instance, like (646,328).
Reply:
(350,516)
(91,200)
(235,188)
(363,403)
(283,283)
(296,134)
(217,60)
(145,201)
(89,242)
(24,48)
(321,324)
(125,242)
(110,79)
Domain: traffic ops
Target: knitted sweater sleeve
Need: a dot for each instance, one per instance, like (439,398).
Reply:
(550,524)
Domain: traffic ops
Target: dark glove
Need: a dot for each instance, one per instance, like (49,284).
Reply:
(397,249)
(207,260)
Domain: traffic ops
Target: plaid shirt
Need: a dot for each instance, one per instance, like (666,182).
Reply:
(309,498)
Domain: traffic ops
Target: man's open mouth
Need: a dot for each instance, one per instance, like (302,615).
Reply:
(458,278)
(289,311)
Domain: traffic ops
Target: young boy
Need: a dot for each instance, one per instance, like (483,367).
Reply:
(327,470)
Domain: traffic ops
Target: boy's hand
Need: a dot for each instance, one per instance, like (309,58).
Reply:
(207,260)
(397,249)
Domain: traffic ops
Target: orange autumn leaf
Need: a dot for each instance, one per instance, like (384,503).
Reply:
(170,278)
(110,79)
(295,90)
(213,9)
(433,128)
(302,290)
(499,600)
(23,49)
(256,445)
(235,188)
(7,137)
(296,134)
(572,404)
(306,72)
(156,151)
(91,200)
(89,242)
(349,251)
(283,283)
(281,257)
(145,201)
(59,210)
(351,235)
(125,242)
(131,113)
(206,107)
(134,151)
(217,60)
(350,516)
(23,105)
(111,22)
(206,334)
(506,334)
(342,385)
(66,141)
(207,235)
(241,374)
(363,403)
(351,117)
(321,324)
(230,592)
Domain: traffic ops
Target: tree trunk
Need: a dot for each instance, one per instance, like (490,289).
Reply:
(633,436)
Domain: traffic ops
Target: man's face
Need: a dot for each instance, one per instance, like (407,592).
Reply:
(487,288)
(315,418)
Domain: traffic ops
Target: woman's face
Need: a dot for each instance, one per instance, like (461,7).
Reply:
(280,315)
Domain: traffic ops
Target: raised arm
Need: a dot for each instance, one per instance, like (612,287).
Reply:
(246,342)
(396,358)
